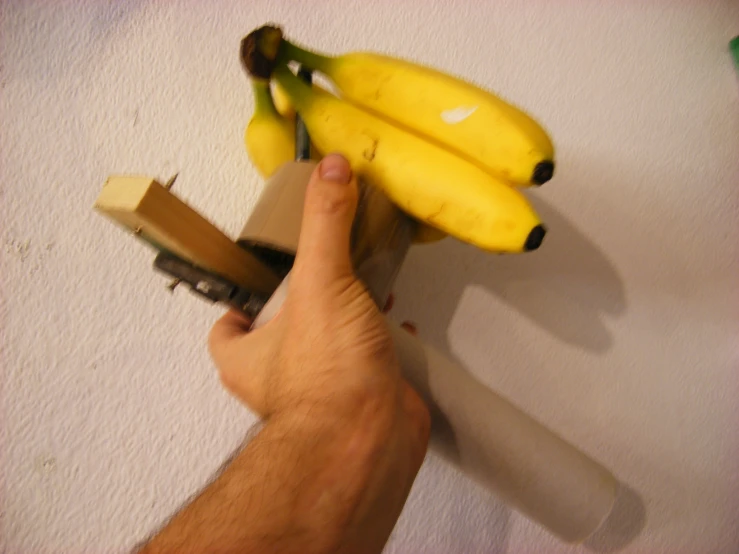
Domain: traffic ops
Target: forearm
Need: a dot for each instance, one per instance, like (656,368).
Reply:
(293,488)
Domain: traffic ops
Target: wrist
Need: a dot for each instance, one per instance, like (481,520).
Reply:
(358,397)
(324,464)
(340,419)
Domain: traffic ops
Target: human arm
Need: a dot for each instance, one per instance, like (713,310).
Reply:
(299,486)
(344,434)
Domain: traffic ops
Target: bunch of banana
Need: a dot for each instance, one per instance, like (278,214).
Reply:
(270,139)
(448,153)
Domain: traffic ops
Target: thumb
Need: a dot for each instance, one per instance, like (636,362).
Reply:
(325,236)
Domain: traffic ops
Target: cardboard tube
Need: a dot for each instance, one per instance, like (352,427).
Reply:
(527,465)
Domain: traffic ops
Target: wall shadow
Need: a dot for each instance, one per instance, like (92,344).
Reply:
(626,522)
(567,287)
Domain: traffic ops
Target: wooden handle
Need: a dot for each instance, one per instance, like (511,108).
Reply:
(155,215)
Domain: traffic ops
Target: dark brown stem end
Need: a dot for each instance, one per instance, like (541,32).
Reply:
(259,51)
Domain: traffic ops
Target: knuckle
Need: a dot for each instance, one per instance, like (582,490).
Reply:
(217,344)
(213,340)
(230,380)
(226,378)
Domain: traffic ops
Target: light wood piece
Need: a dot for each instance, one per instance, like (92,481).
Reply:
(155,215)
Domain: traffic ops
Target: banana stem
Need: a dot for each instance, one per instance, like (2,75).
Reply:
(311,60)
(263,102)
(302,139)
(299,92)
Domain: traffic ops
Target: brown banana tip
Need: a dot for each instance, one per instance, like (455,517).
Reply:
(543,172)
(535,238)
(269,40)
(253,62)
(258,52)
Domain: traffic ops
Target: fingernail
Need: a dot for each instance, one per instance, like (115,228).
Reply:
(410,327)
(389,303)
(335,168)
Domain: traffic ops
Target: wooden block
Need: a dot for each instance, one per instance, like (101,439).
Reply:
(155,215)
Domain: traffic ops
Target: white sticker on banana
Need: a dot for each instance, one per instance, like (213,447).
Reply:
(457,115)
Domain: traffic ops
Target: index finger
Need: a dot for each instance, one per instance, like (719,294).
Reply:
(232,324)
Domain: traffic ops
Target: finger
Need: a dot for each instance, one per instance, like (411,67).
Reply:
(389,303)
(410,327)
(330,204)
(240,356)
(232,323)
(225,336)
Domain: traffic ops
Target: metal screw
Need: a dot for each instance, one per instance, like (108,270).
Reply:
(203,286)
(168,184)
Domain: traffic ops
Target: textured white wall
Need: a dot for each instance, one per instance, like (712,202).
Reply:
(620,333)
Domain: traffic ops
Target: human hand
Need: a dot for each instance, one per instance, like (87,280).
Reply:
(327,323)
(327,362)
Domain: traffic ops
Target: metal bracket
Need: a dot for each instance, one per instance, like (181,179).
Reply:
(208,285)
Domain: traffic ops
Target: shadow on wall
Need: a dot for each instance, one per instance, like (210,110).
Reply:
(568,289)
(624,524)
(70,35)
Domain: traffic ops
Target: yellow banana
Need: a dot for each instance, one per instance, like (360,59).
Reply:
(282,102)
(474,123)
(270,141)
(422,178)
(269,137)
